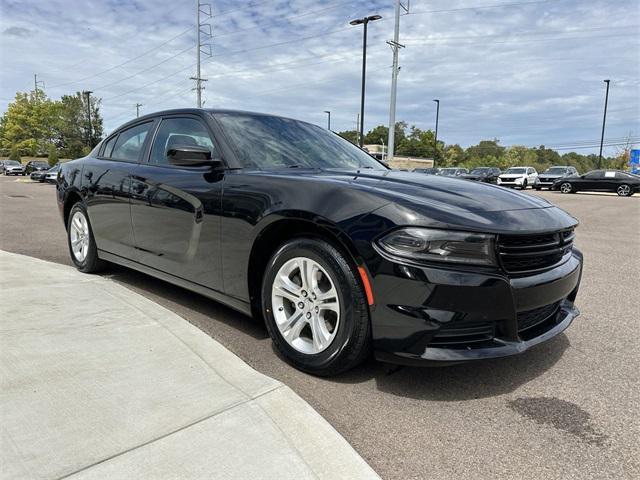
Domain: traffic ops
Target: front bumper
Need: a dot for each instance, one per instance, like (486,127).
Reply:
(510,182)
(432,315)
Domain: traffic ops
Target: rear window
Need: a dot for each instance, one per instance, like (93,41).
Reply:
(129,144)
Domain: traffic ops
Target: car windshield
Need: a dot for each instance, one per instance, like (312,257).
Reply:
(267,142)
(479,171)
(448,171)
(516,170)
(556,170)
(40,164)
(11,163)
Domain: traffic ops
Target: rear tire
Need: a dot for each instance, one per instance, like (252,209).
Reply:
(82,245)
(624,190)
(320,324)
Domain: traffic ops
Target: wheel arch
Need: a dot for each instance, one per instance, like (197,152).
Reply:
(71,198)
(282,229)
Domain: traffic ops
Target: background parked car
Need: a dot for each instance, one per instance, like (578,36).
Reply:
(520,177)
(36,165)
(452,172)
(51,175)
(13,167)
(550,175)
(38,175)
(623,183)
(483,174)
(428,171)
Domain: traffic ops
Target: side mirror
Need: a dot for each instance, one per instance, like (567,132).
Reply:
(191,156)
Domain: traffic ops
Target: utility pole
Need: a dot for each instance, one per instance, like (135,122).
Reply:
(328,119)
(202,29)
(37,83)
(365,22)
(604,121)
(87,94)
(138,105)
(435,141)
(395,47)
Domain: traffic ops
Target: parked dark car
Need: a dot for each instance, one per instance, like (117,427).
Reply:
(38,175)
(483,174)
(12,167)
(553,174)
(623,183)
(288,222)
(36,166)
(452,172)
(428,171)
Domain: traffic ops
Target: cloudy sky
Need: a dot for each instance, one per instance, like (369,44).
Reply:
(525,72)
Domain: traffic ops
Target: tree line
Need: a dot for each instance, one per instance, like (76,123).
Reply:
(414,142)
(37,126)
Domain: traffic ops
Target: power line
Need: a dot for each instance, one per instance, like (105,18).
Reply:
(147,52)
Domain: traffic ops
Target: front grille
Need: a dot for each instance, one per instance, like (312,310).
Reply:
(528,253)
(531,318)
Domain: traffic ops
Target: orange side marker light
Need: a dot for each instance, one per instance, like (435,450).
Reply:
(367,285)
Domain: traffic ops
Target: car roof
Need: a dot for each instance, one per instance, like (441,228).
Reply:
(193,110)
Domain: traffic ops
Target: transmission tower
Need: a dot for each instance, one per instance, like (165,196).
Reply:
(204,37)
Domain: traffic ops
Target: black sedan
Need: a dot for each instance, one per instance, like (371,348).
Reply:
(36,166)
(290,223)
(623,183)
(483,174)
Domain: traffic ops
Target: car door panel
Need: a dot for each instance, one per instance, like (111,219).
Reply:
(175,214)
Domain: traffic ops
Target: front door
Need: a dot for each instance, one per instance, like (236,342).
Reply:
(175,210)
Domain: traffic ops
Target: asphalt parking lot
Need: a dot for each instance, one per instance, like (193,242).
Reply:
(569,408)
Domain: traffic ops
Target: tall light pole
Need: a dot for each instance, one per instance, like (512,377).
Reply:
(328,119)
(364,21)
(138,105)
(395,47)
(604,121)
(435,141)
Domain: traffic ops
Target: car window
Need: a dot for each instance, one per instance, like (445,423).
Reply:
(130,142)
(595,174)
(108,147)
(179,131)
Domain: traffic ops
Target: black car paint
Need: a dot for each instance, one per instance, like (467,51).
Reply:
(486,176)
(205,229)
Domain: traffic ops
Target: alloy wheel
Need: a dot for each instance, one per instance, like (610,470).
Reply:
(79,234)
(306,307)
(624,190)
(565,188)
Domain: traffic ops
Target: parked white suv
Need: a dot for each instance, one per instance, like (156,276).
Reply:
(521,177)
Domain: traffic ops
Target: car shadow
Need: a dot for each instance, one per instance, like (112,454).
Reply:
(466,381)
(163,292)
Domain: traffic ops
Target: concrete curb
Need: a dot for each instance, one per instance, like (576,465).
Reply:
(99,382)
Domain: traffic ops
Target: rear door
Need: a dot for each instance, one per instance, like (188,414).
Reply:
(107,183)
(175,210)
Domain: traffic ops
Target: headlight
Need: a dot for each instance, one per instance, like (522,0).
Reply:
(440,246)
(519,180)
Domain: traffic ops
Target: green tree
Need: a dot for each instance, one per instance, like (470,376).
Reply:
(452,156)
(351,135)
(14,154)
(28,123)
(72,125)
(420,143)
(53,155)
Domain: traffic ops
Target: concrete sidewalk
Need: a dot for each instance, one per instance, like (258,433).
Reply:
(99,382)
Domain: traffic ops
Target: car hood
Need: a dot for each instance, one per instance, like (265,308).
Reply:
(512,175)
(552,175)
(473,176)
(433,191)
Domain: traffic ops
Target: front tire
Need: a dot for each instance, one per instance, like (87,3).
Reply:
(566,187)
(82,245)
(315,307)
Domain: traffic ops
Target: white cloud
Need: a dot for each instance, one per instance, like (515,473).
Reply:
(527,74)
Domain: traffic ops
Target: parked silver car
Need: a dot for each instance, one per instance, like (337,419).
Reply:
(13,167)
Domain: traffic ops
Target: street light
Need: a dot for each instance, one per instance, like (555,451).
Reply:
(364,21)
(435,146)
(328,119)
(604,120)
